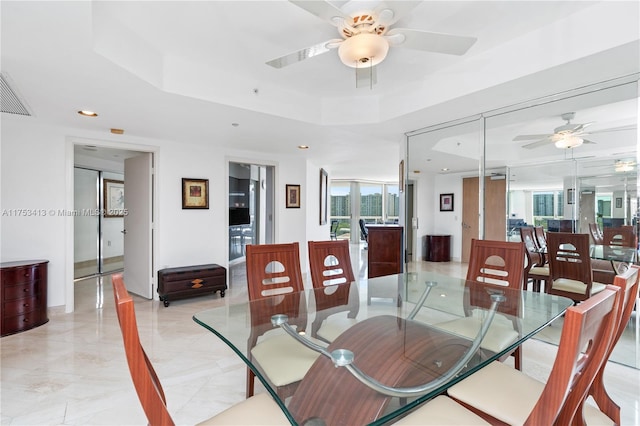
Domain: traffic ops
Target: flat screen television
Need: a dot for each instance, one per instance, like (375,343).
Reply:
(239,216)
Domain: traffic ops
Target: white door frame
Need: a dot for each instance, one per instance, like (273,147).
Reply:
(70,141)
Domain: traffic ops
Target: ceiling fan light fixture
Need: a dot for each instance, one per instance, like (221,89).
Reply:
(363,50)
(569,141)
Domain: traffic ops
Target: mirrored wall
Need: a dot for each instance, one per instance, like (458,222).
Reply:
(563,161)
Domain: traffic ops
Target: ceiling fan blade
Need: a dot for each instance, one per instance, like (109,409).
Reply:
(587,141)
(301,55)
(398,9)
(366,77)
(537,144)
(530,137)
(429,41)
(614,129)
(323,10)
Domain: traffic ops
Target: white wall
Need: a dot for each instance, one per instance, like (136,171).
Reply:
(427,190)
(42,183)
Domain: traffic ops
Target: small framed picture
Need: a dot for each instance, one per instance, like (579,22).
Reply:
(195,193)
(293,196)
(619,203)
(113,197)
(446,202)
(570,196)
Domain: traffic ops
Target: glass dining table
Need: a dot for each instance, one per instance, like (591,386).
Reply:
(409,338)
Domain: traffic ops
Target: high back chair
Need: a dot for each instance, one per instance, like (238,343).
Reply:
(275,286)
(332,277)
(596,233)
(500,264)
(608,411)
(622,236)
(541,237)
(570,273)
(364,233)
(539,270)
(260,409)
(333,231)
(498,394)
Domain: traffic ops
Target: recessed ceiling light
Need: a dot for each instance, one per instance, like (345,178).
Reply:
(444,169)
(117,131)
(88,113)
(416,171)
(303,146)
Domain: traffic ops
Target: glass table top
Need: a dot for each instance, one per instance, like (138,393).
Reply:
(385,344)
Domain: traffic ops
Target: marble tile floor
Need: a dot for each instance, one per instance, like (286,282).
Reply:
(72,370)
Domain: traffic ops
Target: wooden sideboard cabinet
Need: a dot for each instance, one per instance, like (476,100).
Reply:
(24,295)
(385,250)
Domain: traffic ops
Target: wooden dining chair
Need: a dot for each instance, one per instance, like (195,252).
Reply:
(570,272)
(607,411)
(334,289)
(275,286)
(260,409)
(499,264)
(539,270)
(596,233)
(498,394)
(622,236)
(541,238)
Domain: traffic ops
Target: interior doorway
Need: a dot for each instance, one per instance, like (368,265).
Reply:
(251,208)
(100,246)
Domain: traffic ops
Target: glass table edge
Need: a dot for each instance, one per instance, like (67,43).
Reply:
(249,365)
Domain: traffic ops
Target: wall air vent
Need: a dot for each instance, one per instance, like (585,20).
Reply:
(9,100)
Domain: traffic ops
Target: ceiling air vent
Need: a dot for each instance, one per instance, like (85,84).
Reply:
(10,102)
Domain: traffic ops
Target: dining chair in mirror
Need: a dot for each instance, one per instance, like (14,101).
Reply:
(570,273)
(517,399)
(260,409)
(336,294)
(538,273)
(596,233)
(622,236)
(541,238)
(275,286)
(500,264)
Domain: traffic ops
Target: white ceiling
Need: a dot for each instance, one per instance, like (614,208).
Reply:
(185,71)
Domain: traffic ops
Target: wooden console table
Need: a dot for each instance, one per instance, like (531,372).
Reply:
(24,295)
(385,250)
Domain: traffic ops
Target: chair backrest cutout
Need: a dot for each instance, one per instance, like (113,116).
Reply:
(497,262)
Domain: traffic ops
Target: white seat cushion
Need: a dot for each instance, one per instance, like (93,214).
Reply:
(539,270)
(574,286)
(500,391)
(333,327)
(441,411)
(260,409)
(499,336)
(283,359)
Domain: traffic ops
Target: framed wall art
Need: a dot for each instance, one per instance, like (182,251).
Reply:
(324,182)
(619,203)
(195,193)
(293,196)
(446,202)
(401,176)
(113,197)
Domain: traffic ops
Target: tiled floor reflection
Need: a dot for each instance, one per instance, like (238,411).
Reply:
(72,370)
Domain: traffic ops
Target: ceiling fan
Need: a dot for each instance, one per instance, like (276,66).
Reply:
(366,35)
(569,135)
